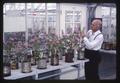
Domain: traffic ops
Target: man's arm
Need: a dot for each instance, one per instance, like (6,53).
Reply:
(91,45)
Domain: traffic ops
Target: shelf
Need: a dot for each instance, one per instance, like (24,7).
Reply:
(16,74)
(108,51)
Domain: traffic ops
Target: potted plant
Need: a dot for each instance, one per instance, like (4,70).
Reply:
(25,62)
(14,59)
(81,50)
(61,48)
(6,64)
(69,48)
(7,46)
(53,47)
(69,55)
(41,59)
(44,44)
(39,44)
(34,45)
(81,47)
(54,56)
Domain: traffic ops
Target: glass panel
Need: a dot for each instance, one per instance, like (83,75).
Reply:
(105,28)
(113,25)
(72,23)
(29,5)
(13,21)
(42,6)
(51,18)
(113,12)
(21,6)
(109,25)
(105,11)
(7,6)
(51,6)
(68,16)
(77,27)
(68,28)
(77,16)
(13,24)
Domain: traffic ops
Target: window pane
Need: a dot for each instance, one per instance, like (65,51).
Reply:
(77,16)
(51,6)
(105,11)
(68,16)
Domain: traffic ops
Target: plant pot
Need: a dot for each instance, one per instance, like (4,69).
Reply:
(26,67)
(6,65)
(14,60)
(81,54)
(6,70)
(42,63)
(54,60)
(14,65)
(69,56)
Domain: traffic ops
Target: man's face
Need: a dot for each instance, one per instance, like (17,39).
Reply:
(94,26)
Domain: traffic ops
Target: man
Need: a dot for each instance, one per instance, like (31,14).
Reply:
(93,41)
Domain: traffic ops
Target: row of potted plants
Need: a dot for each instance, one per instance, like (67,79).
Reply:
(42,47)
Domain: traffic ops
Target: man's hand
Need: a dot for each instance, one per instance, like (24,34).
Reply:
(82,34)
